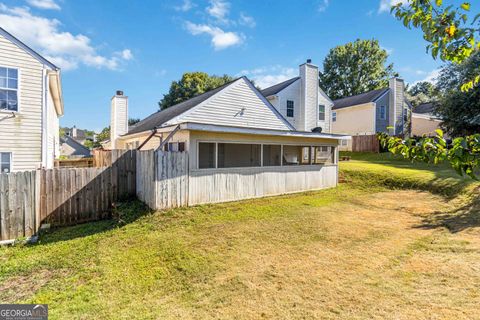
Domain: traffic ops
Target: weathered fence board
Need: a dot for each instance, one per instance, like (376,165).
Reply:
(17,205)
(367,143)
(172,183)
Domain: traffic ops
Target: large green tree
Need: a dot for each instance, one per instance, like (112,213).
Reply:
(422,92)
(191,84)
(355,68)
(460,110)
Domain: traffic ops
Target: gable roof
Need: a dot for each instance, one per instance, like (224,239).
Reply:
(26,48)
(158,118)
(77,146)
(362,98)
(423,108)
(278,87)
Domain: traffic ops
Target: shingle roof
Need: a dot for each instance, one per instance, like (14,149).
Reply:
(366,97)
(158,118)
(428,107)
(278,87)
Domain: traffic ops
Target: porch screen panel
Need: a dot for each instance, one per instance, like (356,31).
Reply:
(206,155)
(324,154)
(272,155)
(235,155)
(296,155)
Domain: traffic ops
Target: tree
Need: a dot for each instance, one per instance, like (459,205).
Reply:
(355,68)
(104,135)
(422,92)
(452,37)
(191,84)
(460,110)
(133,121)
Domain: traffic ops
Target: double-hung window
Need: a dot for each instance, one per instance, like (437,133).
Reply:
(383,113)
(8,89)
(334,116)
(321,113)
(290,108)
(5,162)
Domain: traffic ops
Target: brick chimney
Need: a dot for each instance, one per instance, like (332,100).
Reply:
(308,96)
(119,117)
(396,102)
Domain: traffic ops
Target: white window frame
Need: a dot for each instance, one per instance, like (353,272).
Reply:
(334,116)
(384,117)
(324,112)
(293,109)
(11,160)
(18,90)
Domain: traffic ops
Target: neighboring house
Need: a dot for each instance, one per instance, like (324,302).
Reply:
(234,133)
(30,107)
(301,101)
(79,135)
(373,111)
(424,120)
(71,148)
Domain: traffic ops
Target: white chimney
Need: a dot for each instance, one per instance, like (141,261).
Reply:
(119,117)
(308,96)
(397,101)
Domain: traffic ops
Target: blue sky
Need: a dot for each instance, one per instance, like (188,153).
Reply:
(141,46)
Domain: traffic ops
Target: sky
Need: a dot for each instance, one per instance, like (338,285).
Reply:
(140,47)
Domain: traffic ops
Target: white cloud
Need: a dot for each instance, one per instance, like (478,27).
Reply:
(386,5)
(187,5)
(219,9)
(246,20)
(430,76)
(63,48)
(220,39)
(44,4)
(126,54)
(265,77)
(323,6)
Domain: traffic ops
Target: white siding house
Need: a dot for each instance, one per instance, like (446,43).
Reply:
(30,107)
(301,100)
(239,145)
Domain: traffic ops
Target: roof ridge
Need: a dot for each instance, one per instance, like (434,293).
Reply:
(366,92)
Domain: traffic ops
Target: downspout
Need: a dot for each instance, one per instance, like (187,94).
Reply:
(44,119)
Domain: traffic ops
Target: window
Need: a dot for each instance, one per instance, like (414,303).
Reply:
(235,155)
(296,155)
(174,147)
(324,154)
(383,113)
(334,116)
(272,155)
(290,107)
(8,89)
(206,155)
(321,112)
(343,142)
(5,162)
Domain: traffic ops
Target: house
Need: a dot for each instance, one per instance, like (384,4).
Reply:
(381,110)
(71,148)
(234,133)
(79,135)
(30,107)
(424,120)
(301,101)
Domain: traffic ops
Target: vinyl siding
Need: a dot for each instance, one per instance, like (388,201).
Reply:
(309,96)
(327,124)
(225,108)
(119,118)
(356,120)
(22,135)
(381,125)
(292,92)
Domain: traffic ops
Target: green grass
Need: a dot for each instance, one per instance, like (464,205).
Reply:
(393,241)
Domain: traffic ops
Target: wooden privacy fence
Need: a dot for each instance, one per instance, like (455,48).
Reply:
(74,163)
(18,196)
(63,196)
(366,143)
(103,158)
(162,178)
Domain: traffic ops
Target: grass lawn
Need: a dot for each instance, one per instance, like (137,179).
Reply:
(393,241)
